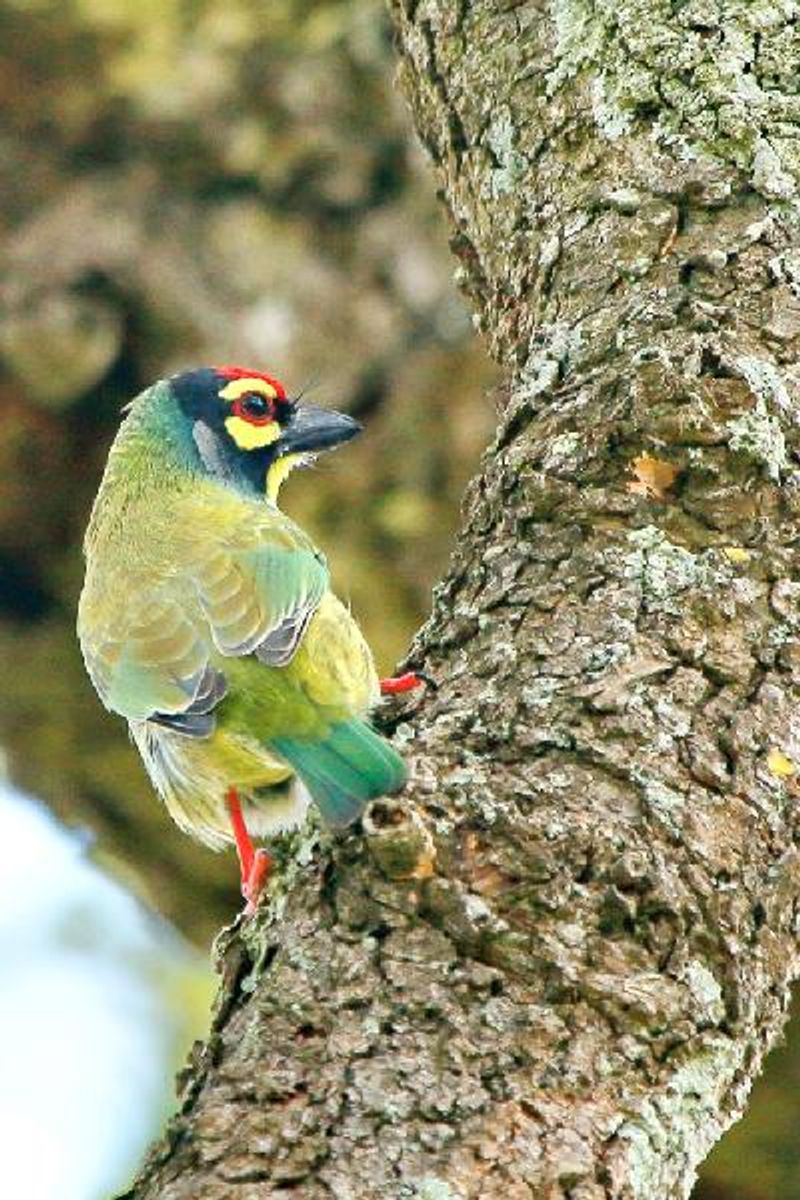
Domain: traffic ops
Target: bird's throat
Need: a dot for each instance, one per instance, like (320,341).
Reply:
(278,472)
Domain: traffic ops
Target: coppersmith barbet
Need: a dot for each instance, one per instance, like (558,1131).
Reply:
(207,619)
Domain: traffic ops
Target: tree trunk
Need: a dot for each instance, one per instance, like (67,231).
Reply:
(553,967)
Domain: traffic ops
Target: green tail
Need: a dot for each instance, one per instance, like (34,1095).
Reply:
(352,765)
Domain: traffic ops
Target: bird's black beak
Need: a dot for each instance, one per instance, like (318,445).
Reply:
(311,429)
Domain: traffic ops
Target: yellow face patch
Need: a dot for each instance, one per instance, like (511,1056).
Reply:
(277,473)
(252,437)
(240,387)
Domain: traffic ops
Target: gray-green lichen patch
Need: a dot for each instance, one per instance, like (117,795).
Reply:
(705,990)
(667,805)
(759,436)
(509,164)
(564,452)
(715,82)
(436,1189)
(549,361)
(667,571)
(765,381)
(678,1126)
(610,118)
(769,174)
(540,692)
(578,39)
(785,268)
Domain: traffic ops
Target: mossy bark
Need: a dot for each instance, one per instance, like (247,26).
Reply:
(553,971)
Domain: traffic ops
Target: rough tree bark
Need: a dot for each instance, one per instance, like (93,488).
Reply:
(553,967)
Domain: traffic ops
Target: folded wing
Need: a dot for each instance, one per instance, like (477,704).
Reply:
(249,586)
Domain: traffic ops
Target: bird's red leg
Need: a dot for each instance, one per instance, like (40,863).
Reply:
(256,881)
(254,864)
(404,683)
(244,847)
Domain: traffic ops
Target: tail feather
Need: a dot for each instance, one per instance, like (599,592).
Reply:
(344,770)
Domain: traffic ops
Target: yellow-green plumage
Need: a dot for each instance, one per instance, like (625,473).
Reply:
(208,622)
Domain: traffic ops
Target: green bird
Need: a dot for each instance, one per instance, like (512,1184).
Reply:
(208,622)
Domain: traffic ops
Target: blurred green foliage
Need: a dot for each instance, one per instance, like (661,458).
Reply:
(188,181)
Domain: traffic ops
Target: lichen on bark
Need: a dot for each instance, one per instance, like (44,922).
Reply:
(573,997)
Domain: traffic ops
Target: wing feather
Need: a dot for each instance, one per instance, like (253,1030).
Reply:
(249,582)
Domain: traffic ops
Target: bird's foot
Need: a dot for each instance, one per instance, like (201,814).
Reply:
(406,683)
(254,864)
(253,886)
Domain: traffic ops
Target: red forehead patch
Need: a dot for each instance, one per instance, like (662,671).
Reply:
(245,373)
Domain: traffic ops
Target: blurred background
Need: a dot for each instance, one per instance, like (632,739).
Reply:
(184,183)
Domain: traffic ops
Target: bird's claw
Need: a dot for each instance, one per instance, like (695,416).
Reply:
(256,880)
(397,684)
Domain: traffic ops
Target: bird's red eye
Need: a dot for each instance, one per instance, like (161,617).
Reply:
(254,408)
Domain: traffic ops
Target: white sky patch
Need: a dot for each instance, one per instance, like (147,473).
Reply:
(84,1036)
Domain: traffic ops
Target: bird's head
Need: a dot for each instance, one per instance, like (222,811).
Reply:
(248,432)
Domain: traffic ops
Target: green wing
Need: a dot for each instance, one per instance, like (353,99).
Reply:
(260,600)
(230,583)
